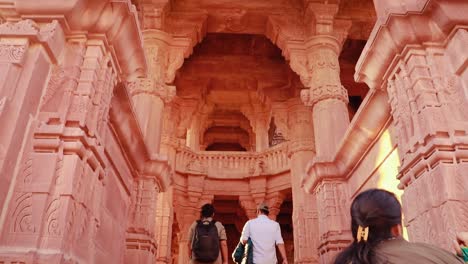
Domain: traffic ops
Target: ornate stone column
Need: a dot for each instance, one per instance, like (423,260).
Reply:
(262,124)
(320,73)
(327,97)
(165,204)
(426,85)
(301,150)
(259,113)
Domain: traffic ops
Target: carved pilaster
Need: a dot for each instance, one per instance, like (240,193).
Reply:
(302,134)
(429,109)
(140,243)
(333,220)
(301,150)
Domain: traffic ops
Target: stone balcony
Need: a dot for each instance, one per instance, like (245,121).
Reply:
(233,164)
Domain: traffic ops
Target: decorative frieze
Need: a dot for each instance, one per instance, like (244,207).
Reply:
(152,88)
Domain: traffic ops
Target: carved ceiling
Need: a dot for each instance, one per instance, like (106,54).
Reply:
(230,66)
(237,53)
(195,17)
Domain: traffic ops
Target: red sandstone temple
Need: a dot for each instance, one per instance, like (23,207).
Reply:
(119,119)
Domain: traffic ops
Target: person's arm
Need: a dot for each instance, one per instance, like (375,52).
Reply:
(280,244)
(245,233)
(224,251)
(282,251)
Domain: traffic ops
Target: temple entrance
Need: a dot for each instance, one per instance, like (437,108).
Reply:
(231,215)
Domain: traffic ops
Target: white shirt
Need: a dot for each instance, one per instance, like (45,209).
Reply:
(265,235)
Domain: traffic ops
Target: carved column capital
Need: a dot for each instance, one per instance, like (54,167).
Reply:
(324,15)
(165,54)
(152,88)
(249,206)
(274,202)
(152,15)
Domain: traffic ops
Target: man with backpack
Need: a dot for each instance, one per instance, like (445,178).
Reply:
(207,238)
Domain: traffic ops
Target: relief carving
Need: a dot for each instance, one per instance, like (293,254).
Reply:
(236,21)
(174,62)
(23,27)
(22,215)
(12,52)
(57,80)
(52,216)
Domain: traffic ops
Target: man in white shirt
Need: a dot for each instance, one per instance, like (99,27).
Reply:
(265,234)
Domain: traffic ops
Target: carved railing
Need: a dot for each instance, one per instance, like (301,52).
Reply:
(233,164)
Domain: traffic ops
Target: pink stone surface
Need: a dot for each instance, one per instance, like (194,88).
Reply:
(119,119)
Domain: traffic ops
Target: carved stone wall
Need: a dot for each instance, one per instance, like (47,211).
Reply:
(425,86)
(70,193)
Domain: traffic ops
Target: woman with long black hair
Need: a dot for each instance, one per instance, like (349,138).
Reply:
(376,227)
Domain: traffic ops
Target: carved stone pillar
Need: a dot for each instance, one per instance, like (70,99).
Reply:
(24,67)
(148,98)
(59,191)
(326,95)
(316,61)
(429,109)
(71,176)
(259,113)
(426,85)
(164,221)
(165,202)
(262,124)
(140,244)
(301,150)
(149,95)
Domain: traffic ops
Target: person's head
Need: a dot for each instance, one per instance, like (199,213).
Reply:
(263,209)
(207,210)
(375,216)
